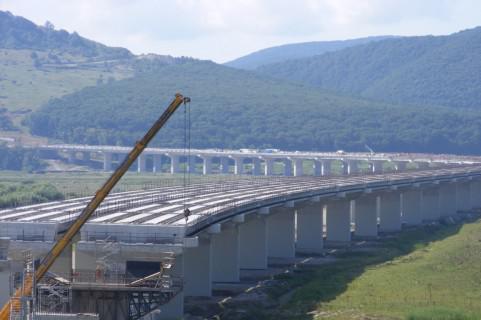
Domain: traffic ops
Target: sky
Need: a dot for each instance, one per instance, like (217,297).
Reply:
(224,30)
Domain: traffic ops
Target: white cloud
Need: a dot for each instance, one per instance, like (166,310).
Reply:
(222,30)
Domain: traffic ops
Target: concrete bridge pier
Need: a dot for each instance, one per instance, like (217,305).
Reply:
(107,161)
(174,164)
(206,165)
(298,167)
(447,199)
(141,163)
(377,166)
(71,157)
(225,254)
(316,167)
(309,229)
(268,167)
(256,167)
(174,309)
(224,165)
(390,211)
(157,163)
(476,193)
(352,167)
(430,204)
(238,165)
(281,232)
(198,269)
(253,242)
(326,167)
(365,216)
(338,220)
(400,166)
(287,167)
(411,207)
(463,193)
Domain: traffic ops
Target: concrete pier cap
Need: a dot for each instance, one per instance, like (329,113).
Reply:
(191,242)
(214,229)
(264,210)
(240,218)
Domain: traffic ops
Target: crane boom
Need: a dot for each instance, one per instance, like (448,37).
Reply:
(100,195)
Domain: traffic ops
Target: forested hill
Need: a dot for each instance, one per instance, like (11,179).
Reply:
(441,70)
(19,33)
(295,51)
(237,109)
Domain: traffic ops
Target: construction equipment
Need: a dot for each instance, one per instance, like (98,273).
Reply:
(100,195)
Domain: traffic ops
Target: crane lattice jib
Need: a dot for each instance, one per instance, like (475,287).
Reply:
(100,195)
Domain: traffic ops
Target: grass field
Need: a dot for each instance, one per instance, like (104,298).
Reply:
(428,273)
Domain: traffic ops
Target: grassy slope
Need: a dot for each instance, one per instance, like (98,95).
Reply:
(432,271)
(23,86)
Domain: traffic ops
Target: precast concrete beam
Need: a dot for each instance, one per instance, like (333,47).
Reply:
(463,194)
(298,167)
(206,165)
(411,207)
(390,211)
(338,220)
(365,216)
(430,204)
(447,199)
(157,163)
(141,163)
(107,161)
(281,233)
(253,243)
(309,231)
(198,269)
(225,255)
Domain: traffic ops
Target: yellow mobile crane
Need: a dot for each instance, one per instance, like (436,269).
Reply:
(100,195)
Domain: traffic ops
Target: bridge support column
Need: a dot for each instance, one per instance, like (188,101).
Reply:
(157,163)
(338,220)
(107,161)
(198,269)
(310,228)
(224,165)
(253,243)
(463,193)
(174,164)
(377,166)
(268,167)
(400,166)
(280,233)
(287,167)
(298,167)
(352,167)
(225,255)
(411,207)
(256,166)
(365,216)
(206,165)
(190,163)
(390,212)
(141,163)
(476,194)
(71,157)
(430,204)
(86,156)
(317,168)
(447,199)
(326,167)
(238,165)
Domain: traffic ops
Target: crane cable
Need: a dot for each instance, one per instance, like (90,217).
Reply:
(187,151)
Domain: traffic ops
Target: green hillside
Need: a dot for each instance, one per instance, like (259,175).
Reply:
(233,109)
(428,70)
(295,51)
